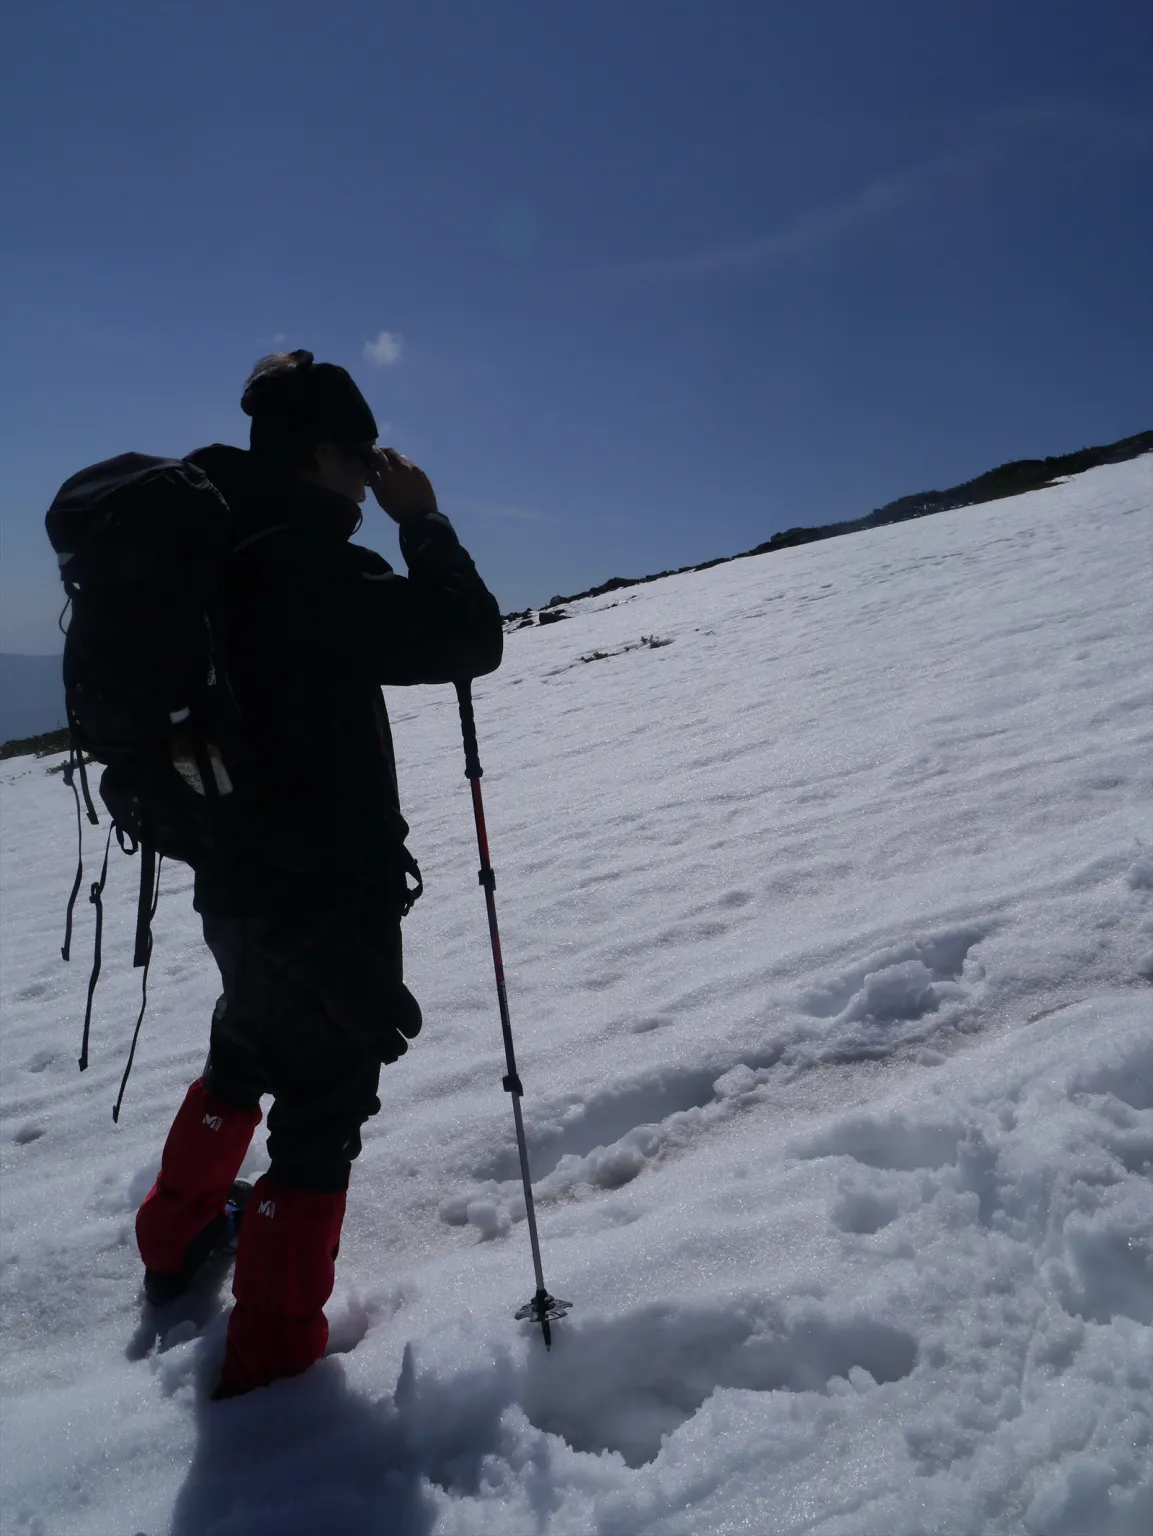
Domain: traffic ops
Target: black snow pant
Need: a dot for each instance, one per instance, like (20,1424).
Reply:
(312,1005)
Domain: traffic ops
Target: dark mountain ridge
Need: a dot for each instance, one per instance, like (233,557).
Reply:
(1011,479)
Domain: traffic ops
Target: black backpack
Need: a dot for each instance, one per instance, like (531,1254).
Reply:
(143,546)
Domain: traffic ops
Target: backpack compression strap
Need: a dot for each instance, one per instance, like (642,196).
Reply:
(150,867)
(96,897)
(76,763)
(146,903)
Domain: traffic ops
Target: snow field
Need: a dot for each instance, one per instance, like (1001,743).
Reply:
(829,929)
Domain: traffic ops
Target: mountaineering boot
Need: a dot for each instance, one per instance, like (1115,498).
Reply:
(202,1156)
(285,1271)
(220,1236)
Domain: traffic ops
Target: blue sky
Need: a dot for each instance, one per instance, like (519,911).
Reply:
(654,279)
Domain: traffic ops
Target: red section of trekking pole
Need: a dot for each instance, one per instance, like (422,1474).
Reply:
(543,1308)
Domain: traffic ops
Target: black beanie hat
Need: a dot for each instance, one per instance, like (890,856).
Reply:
(293,400)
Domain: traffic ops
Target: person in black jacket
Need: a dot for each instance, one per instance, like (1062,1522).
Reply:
(302,902)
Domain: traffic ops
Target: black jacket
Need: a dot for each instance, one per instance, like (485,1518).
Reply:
(313,626)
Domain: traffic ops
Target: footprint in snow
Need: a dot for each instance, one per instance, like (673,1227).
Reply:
(629,1382)
(903,982)
(600,1122)
(625,1383)
(32,991)
(605,1142)
(645,1026)
(864,1211)
(892,1142)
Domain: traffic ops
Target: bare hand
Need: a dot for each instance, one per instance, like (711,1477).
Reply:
(400,487)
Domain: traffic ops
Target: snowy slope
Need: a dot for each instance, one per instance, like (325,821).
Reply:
(829,928)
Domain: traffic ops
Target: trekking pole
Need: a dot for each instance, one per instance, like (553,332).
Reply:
(543,1308)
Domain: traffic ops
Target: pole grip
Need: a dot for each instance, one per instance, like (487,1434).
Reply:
(472,768)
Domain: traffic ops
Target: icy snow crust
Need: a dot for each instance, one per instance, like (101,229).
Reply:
(829,929)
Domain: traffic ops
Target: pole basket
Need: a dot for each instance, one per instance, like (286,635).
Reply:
(543,1309)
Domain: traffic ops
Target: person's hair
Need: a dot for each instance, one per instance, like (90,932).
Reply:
(271,435)
(296,403)
(274,365)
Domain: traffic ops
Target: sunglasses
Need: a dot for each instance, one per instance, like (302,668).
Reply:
(365,457)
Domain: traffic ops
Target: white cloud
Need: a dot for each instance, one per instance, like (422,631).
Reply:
(279,339)
(819,226)
(502,509)
(987,140)
(385,350)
